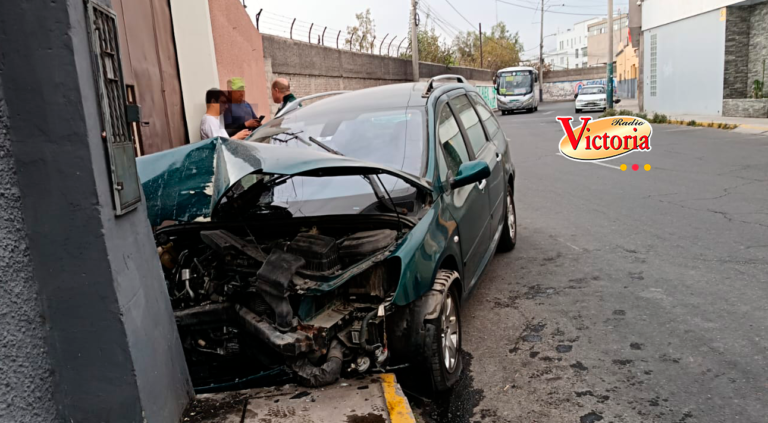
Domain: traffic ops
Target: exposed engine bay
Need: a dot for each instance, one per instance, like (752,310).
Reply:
(305,297)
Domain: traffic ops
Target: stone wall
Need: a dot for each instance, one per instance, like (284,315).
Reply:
(314,69)
(758,44)
(737,27)
(748,108)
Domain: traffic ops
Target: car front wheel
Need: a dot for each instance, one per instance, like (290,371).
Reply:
(578,110)
(509,231)
(444,350)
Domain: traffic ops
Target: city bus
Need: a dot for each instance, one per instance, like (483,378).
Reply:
(516,89)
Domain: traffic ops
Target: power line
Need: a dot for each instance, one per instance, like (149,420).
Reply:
(548,11)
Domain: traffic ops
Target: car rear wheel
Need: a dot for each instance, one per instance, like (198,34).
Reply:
(444,351)
(509,231)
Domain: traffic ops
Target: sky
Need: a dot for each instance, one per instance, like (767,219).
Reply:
(391,17)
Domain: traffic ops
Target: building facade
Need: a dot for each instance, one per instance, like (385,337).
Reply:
(703,57)
(571,47)
(597,41)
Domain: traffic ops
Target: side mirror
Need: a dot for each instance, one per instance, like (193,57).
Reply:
(471,172)
(575,96)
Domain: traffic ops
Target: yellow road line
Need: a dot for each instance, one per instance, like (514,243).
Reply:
(399,409)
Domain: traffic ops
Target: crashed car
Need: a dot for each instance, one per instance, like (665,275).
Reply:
(339,240)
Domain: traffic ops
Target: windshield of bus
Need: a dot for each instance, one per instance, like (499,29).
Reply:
(515,83)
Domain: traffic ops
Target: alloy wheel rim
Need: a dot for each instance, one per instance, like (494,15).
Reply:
(451,334)
(511,216)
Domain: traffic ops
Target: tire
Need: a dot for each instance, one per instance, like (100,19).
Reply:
(536,108)
(445,363)
(508,238)
(578,110)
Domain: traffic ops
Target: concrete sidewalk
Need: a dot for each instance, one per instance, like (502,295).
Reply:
(746,125)
(373,398)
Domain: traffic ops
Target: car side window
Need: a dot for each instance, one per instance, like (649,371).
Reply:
(491,125)
(452,141)
(464,110)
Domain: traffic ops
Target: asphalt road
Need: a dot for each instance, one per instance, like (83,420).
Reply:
(634,296)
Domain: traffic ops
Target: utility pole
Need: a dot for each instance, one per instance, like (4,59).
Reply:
(609,78)
(541,56)
(414,42)
(480,27)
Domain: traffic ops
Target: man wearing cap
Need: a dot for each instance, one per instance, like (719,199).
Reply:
(239,114)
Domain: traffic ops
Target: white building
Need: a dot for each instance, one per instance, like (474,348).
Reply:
(571,47)
(701,57)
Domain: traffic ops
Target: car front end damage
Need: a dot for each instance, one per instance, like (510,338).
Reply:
(263,293)
(311,295)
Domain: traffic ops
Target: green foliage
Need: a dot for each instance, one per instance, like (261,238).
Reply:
(692,123)
(431,48)
(362,36)
(501,48)
(757,88)
(659,118)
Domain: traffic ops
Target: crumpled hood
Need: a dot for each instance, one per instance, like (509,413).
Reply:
(185,184)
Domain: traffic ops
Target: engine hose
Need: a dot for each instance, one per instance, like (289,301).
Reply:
(315,377)
(364,333)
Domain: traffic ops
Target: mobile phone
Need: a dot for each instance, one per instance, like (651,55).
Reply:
(261,118)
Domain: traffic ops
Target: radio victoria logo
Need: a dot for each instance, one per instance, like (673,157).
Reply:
(604,139)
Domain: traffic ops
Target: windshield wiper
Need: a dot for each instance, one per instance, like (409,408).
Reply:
(378,190)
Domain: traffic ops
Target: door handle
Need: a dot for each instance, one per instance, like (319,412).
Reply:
(482,184)
(498,157)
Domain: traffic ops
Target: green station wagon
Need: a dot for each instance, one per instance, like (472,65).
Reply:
(340,239)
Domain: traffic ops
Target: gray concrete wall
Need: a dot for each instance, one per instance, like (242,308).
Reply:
(111,339)
(314,69)
(691,56)
(27,388)
(561,85)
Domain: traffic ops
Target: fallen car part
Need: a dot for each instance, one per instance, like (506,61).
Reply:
(314,376)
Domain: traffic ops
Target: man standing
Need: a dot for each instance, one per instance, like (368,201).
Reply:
(281,93)
(210,125)
(239,114)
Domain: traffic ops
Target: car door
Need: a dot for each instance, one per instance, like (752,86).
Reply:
(497,144)
(469,204)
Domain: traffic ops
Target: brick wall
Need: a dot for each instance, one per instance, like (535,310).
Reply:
(737,29)
(312,69)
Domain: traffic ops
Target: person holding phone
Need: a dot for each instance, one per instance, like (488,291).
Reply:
(239,114)
(211,125)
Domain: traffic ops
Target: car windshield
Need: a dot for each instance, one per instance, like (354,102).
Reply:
(515,83)
(592,90)
(390,137)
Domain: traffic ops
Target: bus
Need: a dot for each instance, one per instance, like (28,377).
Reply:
(516,89)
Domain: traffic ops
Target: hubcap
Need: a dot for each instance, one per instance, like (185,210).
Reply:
(511,216)
(450,334)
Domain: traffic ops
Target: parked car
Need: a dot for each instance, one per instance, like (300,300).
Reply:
(340,239)
(593,97)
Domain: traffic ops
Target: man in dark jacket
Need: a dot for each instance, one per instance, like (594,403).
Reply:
(281,93)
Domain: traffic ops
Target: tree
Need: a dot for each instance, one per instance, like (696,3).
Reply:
(501,48)
(431,48)
(362,36)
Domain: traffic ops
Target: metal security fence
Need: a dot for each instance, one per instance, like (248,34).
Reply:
(271,23)
(627,88)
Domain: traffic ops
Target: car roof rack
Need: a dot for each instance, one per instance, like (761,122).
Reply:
(431,84)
